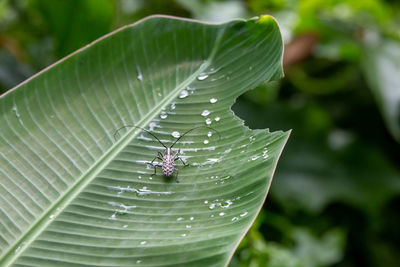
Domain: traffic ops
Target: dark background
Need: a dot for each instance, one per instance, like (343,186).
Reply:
(335,197)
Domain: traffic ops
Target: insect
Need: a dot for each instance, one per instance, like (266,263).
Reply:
(168,158)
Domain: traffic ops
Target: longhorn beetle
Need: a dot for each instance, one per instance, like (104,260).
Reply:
(168,159)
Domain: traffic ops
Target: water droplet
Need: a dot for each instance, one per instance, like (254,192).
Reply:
(252,138)
(190,89)
(220,203)
(205,142)
(179,219)
(191,218)
(235,219)
(183,235)
(19,247)
(243,214)
(205,201)
(205,113)
(140,192)
(120,208)
(228,203)
(173,105)
(255,157)
(221,214)
(139,73)
(143,243)
(208,121)
(212,161)
(175,134)
(183,94)
(163,115)
(213,100)
(159,94)
(52,216)
(188,226)
(15,109)
(202,76)
(217,118)
(228,151)
(209,134)
(153,125)
(265,153)
(203,64)
(125,226)
(213,70)
(138,261)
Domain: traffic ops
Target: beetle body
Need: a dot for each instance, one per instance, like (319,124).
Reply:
(168,163)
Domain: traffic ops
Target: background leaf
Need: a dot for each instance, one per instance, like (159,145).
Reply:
(72,195)
(382,68)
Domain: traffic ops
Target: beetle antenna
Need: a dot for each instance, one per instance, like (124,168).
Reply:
(126,126)
(192,130)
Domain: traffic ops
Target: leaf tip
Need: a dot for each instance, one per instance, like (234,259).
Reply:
(266,19)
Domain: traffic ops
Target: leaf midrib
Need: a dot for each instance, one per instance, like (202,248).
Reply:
(11,255)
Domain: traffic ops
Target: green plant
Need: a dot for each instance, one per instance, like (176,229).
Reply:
(73,195)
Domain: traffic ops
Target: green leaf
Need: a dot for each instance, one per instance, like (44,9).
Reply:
(297,246)
(382,67)
(72,195)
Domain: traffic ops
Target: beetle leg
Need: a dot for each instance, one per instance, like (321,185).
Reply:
(176,177)
(151,162)
(184,163)
(177,157)
(155,165)
(156,157)
(155,169)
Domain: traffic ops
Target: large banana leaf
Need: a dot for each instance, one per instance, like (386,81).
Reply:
(72,195)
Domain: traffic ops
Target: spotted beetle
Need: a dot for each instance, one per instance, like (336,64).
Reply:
(168,159)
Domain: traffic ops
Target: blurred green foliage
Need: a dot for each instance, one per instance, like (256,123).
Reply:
(335,194)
